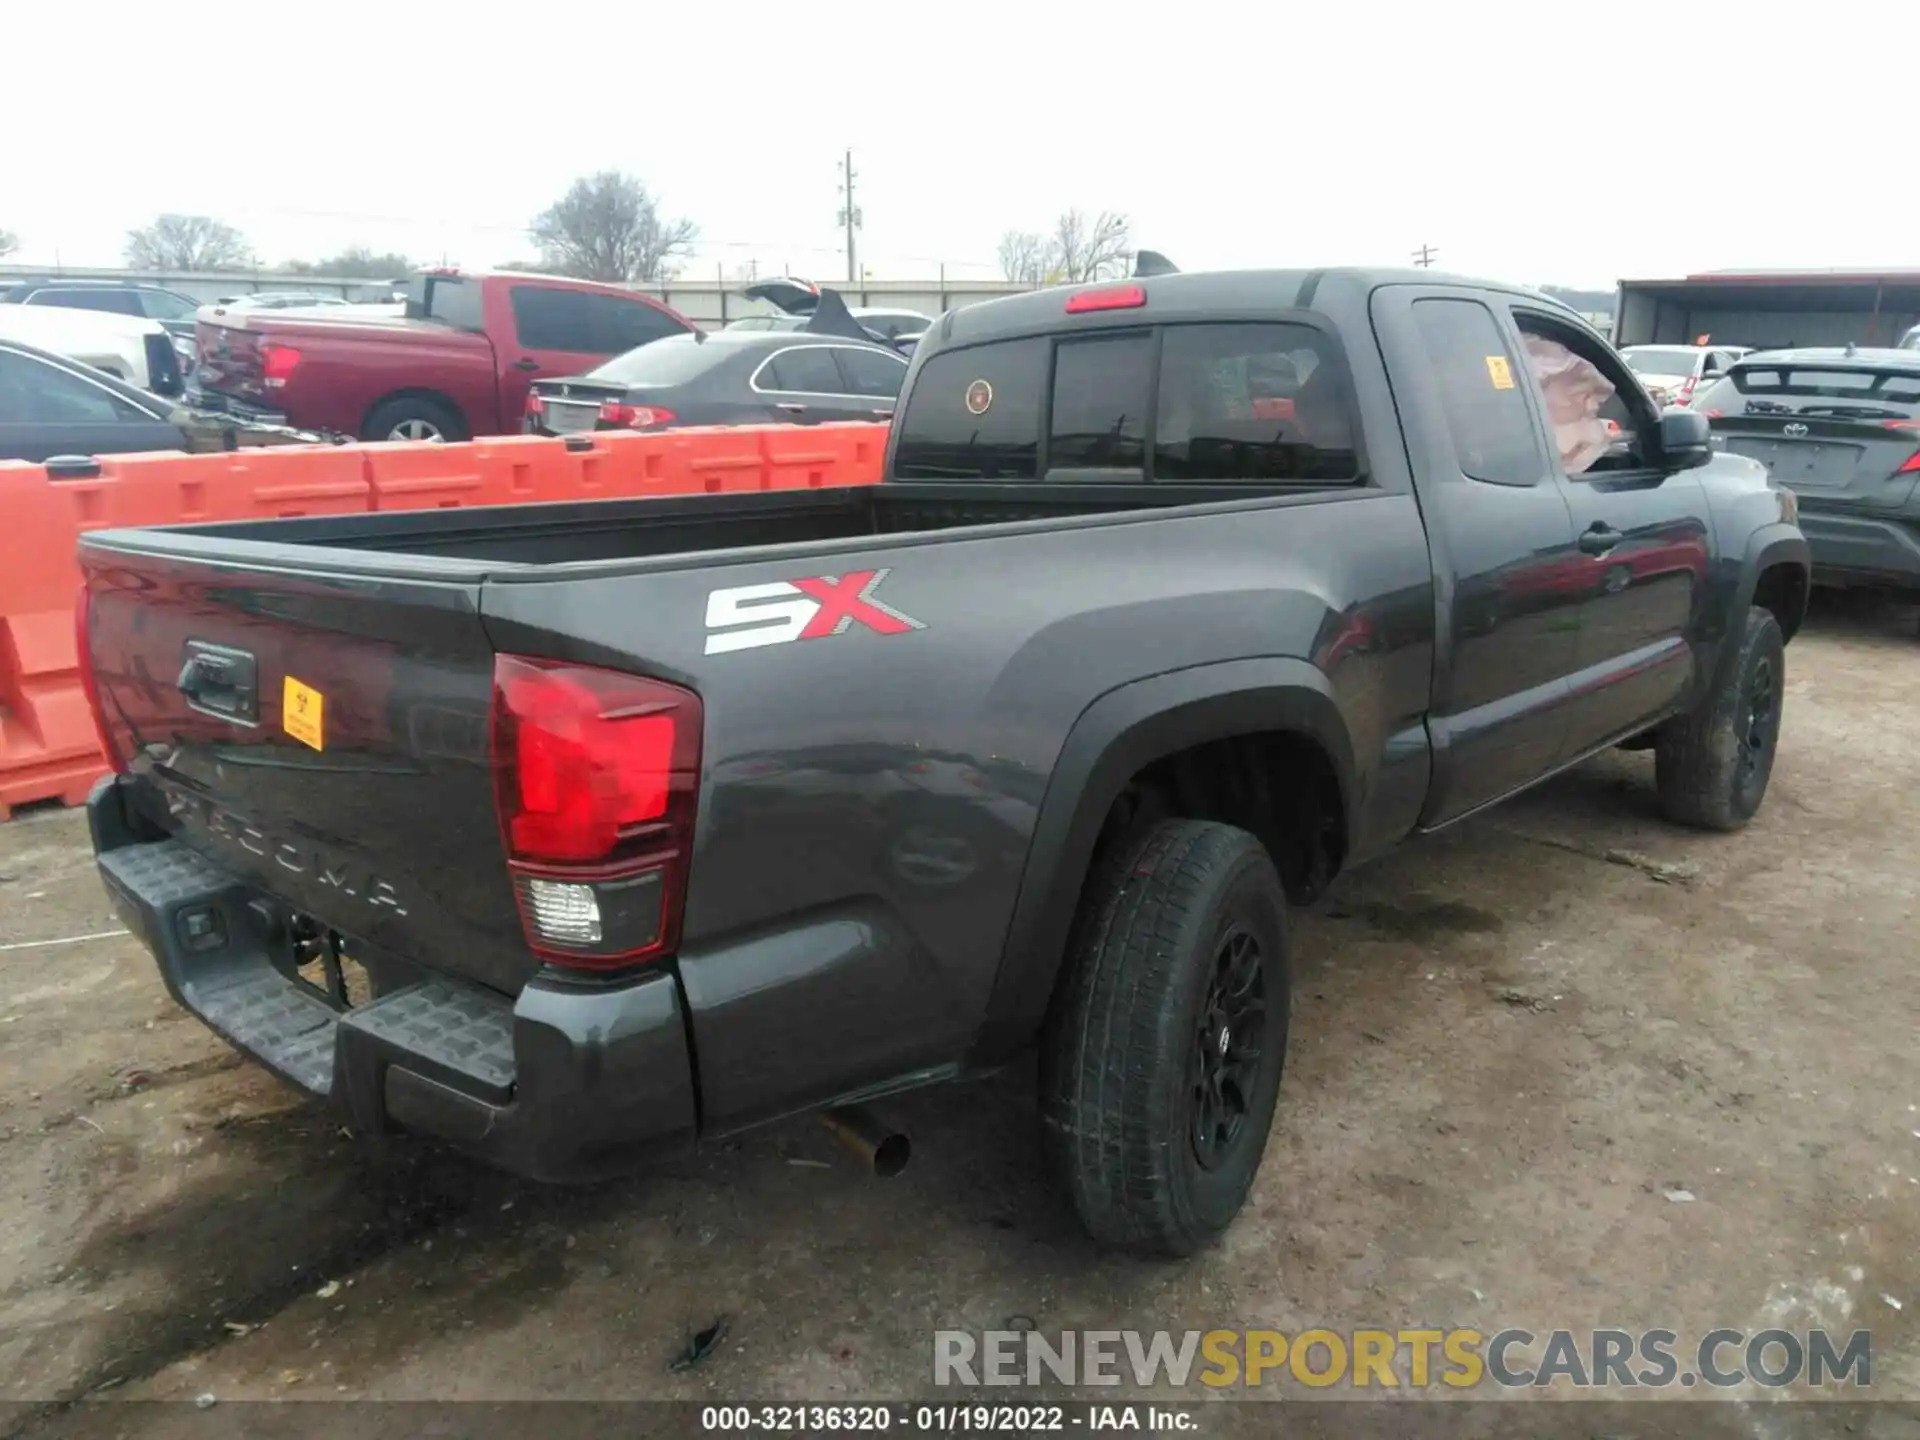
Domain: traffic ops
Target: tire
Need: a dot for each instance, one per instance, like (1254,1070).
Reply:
(1712,766)
(1133,1049)
(414,417)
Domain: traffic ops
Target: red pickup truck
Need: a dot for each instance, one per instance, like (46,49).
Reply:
(453,363)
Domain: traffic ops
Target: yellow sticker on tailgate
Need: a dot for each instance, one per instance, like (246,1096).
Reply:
(303,712)
(1500,372)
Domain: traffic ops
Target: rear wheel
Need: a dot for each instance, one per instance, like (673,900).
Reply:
(1712,766)
(414,418)
(1162,1062)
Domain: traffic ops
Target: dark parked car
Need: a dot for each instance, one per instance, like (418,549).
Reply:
(1841,427)
(732,377)
(54,406)
(652,820)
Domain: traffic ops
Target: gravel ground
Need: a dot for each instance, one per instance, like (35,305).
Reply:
(1513,1044)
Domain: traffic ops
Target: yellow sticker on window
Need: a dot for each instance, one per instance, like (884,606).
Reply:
(1500,372)
(303,711)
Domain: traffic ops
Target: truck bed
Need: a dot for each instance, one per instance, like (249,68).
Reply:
(594,532)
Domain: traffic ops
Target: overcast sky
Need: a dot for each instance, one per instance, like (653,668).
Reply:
(1563,141)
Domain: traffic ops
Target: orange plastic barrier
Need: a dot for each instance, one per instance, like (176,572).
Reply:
(48,748)
(47,745)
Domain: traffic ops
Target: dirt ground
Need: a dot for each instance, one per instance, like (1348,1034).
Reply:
(1508,1049)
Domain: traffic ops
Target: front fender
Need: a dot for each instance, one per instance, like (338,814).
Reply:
(1771,545)
(1116,737)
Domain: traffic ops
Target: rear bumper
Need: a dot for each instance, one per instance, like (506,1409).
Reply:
(565,1083)
(228,408)
(1862,549)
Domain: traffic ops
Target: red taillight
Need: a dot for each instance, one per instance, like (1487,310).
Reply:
(1713,414)
(277,362)
(1912,463)
(596,776)
(90,683)
(536,406)
(634,417)
(1114,297)
(1686,390)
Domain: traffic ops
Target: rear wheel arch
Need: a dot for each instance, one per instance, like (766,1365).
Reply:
(1253,712)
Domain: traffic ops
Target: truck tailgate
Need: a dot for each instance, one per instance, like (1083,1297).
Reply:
(324,737)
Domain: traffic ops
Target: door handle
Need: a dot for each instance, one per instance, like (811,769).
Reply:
(526,362)
(1599,538)
(790,406)
(883,414)
(220,681)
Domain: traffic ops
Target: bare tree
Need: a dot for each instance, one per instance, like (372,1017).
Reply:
(1083,249)
(608,227)
(1023,257)
(9,242)
(187,242)
(356,262)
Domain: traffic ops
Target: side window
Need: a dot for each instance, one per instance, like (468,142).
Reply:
(1252,403)
(1479,381)
(804,370)
(868,372)
(553,319)
(114,302)
(32,391)
(1102,391)
(622,325)
(164,305)
(1584,392)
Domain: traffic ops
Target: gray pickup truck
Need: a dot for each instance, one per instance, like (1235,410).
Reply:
(644,822)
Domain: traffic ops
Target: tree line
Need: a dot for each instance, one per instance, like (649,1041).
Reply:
(606,227)
(609,227)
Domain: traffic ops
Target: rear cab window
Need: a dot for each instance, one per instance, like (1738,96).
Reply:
(1215,402)
(450,299)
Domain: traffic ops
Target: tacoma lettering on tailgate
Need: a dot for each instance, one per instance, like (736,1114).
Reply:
(297,857)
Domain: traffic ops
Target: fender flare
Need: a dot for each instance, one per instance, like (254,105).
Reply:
(1770,545)
(1117,736)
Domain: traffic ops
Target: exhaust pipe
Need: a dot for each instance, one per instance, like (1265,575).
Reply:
(880,1147)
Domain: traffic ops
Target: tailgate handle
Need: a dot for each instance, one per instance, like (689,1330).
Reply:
(219,680)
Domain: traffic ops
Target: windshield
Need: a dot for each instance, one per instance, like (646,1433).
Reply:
(672,361)
(1647,360)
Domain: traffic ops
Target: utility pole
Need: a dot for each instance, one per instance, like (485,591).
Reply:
(1425,256)
(849,215)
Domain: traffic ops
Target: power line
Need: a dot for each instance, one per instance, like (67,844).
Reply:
(1425,256)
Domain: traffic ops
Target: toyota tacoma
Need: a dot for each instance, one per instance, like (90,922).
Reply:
(642,822)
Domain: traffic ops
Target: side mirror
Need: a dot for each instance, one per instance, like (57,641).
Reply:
(1686,439)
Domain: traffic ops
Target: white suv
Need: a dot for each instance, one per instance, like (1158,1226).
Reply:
(135,350)
(1673,372)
